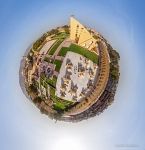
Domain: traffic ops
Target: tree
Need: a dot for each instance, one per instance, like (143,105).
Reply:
(37,99)
(32,88)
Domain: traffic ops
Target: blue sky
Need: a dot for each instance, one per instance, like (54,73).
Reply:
(122,23)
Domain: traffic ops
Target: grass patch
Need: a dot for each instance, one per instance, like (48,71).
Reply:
(52,91)
(59,104)
(52,82)
(43,82)
(61,35)
(54,47)
(63,51)
(46,81)
(80,50)
(58,65)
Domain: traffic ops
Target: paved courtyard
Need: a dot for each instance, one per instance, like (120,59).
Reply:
(77,75)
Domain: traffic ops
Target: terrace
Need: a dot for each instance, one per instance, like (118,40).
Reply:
(77,75)
(80,50)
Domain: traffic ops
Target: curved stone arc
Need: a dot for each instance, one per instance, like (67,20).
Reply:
(100,85)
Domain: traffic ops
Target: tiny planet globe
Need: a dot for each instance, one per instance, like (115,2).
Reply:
(70,73)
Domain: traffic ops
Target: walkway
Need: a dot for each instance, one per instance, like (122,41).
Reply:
(46,47)
(65,43)
(56,57)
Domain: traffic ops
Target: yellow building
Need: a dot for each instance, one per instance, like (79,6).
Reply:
(82,36)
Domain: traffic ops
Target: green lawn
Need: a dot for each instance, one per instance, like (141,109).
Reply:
(43,82)
(58,65)
(46,81)
(51,82)
(59,104)
(52,91)
(63,51)
(60,35)
(55,46)
(80,50)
